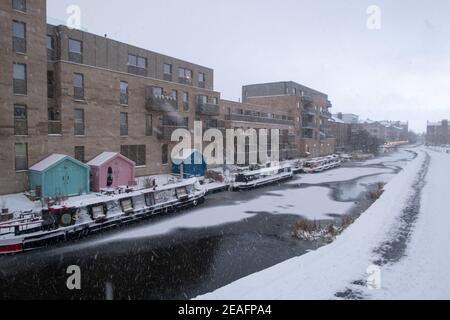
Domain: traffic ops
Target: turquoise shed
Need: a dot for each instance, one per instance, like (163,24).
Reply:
(59,175)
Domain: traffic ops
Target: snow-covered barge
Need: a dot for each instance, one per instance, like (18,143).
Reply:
(261,177)
(79,218)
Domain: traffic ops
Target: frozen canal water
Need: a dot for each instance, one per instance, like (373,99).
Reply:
(182,256)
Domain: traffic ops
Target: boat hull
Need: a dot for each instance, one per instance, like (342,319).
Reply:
(44,239)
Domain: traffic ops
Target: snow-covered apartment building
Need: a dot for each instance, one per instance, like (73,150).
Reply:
(71,92)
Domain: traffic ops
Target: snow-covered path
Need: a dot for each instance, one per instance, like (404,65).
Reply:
(425,271)
(343,265)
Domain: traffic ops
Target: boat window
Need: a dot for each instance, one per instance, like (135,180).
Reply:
(181,192)
(127,205)
(98,212)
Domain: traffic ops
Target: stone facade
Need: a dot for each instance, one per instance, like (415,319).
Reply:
(51,104)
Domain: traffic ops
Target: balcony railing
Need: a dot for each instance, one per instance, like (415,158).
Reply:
(307,99)
(164,132)
(167,77)
(54,127)
(244,118)
(214,124)
(161,104)
(308,125)
(187,81)
(309,111)
(326,114)
(208,109)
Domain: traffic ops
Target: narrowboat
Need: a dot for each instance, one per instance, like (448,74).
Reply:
(260,177)
(322,164)
(80,217)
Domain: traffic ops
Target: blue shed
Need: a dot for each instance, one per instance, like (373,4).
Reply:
(59,175)
(193,162)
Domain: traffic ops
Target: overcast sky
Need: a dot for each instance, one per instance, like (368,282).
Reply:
(399,72)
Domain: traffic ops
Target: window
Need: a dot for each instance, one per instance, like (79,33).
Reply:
(21,156)
(20,120)
(50,85)
(79,122)
(174,94)
(148,125)
(78,86)
(19,37)
(51,55)
(157,91)
(202,100)
(137,65)
(165,154)
(215,101)
(124,93)
(123,124)
(75,51)
(50,42)
(201,80)
(167,72)
(79,153)
(134,153)
(54,121)
(167,68)
(185,76)
(185,101)
(20,79)
(19,5)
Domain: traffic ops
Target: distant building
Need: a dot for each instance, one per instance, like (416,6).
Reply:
(309,108)
(438,133)
(348,118)
(342,132)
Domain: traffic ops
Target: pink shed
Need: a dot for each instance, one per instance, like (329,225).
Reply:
(110,170)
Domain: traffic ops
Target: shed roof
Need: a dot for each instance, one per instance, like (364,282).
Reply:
(48,162)
(105,157)
(52,160)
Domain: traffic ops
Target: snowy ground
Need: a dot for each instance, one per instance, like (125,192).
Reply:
(341,268)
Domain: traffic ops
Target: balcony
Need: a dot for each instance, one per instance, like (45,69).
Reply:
(214,124)
(186,81)
(309,111)
(307,99)
(244,118)
(163,104)
(208,109)
(329,104)
(164,132)
(326,114)
(308,125)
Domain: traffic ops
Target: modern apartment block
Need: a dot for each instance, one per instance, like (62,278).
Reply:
(248,116)
(72,92)
(309,108)
(438,133)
